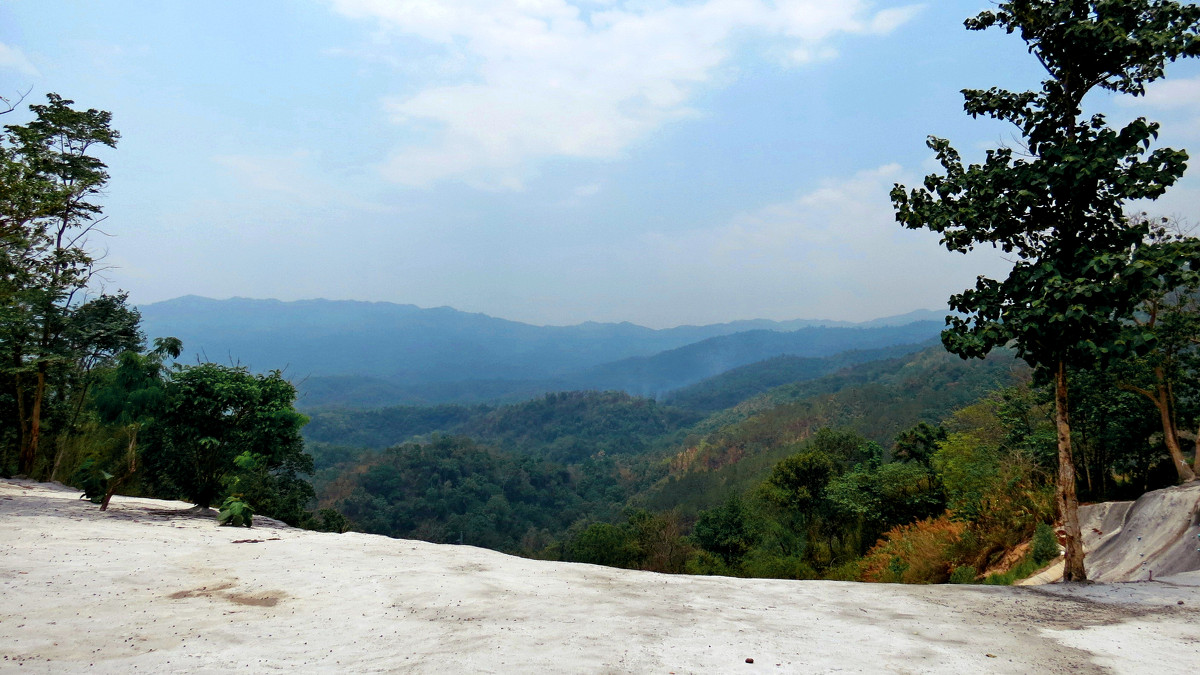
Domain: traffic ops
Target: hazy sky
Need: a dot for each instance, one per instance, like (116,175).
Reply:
(551,161)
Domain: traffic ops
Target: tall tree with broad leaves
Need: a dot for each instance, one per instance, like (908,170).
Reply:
(1167,371)
(95,333)
(49,181)
(1057,207)
(224,430)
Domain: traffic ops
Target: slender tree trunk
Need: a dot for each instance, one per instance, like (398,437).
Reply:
(131,456)
(1196,461)
(1170,435)
(58,455)
(1161,398)
(58,448)
(25,457)
(1068,504)
(35,422)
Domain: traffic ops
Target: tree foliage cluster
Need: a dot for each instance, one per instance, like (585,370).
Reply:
(632,443)
(734,449)
(82,397)
(454,490)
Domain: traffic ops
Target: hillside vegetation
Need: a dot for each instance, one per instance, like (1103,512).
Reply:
(734,449)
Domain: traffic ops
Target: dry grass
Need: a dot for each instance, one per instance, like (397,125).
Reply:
(918,553)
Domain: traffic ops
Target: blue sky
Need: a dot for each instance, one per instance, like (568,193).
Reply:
(551,161)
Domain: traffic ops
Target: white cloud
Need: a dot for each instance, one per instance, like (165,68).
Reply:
(295,180)
(589,190)
(834,252)
(12,58)
(1177,103)
(548,78)
(1170,94)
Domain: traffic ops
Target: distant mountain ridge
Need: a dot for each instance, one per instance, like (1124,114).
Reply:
(397,353)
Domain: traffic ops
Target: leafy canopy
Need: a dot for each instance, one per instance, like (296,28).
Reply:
(1058,203)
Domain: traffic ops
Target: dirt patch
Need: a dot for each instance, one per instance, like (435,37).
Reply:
(1009,561)
(222,591)
(253,600)
(202,592)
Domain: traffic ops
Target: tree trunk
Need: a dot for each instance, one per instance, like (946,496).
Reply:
(58,455)
(131,457)
(24,456)
(1170,435)
(29,452)
(1196,461)
(1068,504)
(1161,398)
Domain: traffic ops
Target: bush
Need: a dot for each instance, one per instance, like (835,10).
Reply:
(1022,570)
(1045,544)
(235,512)
(706,563)
(762,564)
(963,574)
(331,520)
(93,480)
(918,553)
(848,571)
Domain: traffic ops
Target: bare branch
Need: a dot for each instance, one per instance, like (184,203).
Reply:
(12,105)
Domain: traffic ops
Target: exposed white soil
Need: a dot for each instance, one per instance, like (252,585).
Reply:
(147,587)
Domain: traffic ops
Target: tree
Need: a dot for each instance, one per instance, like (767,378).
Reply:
(224,430)
(1171,315)
(1058,208)
(48,183)
(918,443)
(129,398)
(95,333)
(727,530)
(797,483)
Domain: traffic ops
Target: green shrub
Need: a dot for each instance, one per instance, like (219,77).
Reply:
(1045,544)
(93,480)
(963,574)
(847,571)
(235,512)
(764,564)
(332,520)
(707,563)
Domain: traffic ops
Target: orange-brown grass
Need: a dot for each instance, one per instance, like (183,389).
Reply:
(917,553)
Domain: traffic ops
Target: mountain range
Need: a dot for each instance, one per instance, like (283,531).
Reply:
(376,353)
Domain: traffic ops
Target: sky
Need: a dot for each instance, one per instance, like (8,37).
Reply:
(663,162)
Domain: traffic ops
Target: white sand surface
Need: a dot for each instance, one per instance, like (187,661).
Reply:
(146,587)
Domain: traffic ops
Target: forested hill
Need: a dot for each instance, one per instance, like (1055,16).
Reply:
(734,449)
(734,386)
(520,477)
(386,354)
(567,426)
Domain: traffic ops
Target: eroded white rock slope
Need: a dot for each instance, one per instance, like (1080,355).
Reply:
(146,588)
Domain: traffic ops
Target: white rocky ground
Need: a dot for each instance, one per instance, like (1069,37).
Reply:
(148,588)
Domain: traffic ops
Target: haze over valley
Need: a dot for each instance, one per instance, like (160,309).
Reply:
(413,355)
